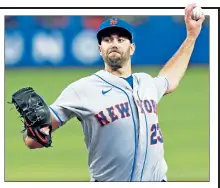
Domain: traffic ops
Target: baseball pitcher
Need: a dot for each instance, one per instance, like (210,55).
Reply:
(116,107)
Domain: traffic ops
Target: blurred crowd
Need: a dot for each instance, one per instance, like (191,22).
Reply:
(65,40)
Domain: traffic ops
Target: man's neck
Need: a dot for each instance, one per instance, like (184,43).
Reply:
(124,72)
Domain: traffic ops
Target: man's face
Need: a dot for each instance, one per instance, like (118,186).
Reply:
(116,50)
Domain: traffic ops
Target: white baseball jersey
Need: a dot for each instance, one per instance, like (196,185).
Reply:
(120,124)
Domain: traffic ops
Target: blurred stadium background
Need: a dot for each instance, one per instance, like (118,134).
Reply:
(49,52)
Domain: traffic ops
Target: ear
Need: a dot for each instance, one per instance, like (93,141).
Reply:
(100,49)
(132,49)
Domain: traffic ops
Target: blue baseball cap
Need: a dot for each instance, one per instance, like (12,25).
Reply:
(115,24)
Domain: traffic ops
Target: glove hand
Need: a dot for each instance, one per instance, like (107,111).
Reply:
(36,115)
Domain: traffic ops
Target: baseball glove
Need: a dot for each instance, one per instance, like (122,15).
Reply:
(35,114)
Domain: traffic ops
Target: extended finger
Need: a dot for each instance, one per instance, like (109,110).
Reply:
(187,7)
(189,11)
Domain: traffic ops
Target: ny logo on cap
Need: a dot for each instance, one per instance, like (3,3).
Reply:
(113,21)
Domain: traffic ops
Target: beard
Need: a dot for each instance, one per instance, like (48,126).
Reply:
(116,59)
